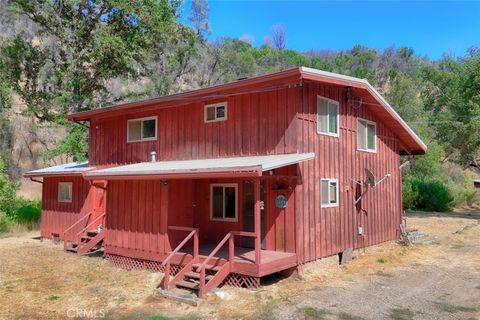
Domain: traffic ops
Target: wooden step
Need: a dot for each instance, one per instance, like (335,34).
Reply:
(208,267)
(92,232)
(72,247)
(196,275)
(181,295)
(188,285)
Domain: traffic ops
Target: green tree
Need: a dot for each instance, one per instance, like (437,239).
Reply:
(452,94)
(77,47)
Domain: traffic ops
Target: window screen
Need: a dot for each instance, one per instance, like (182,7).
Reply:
(224,202)
(65,192)
(366,135)
(216,112)
(329,192)
(327,116)
(141,129)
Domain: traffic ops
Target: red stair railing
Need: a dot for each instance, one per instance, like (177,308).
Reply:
(230,237)
(68,234)
(166,263)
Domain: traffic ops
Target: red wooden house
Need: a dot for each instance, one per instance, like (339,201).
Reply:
(230,183)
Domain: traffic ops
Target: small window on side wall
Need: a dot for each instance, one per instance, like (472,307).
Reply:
(223,202)
(329,192)
(64,192)
(216,112)
(142,129)
(366,135)
(327,116)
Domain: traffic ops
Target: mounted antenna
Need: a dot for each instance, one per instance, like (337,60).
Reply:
(369,182)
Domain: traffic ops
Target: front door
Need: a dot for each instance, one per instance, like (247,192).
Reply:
(248,201)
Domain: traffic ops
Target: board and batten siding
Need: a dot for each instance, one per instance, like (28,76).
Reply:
(139,212)
(258,123)
(321,232)
(58,216)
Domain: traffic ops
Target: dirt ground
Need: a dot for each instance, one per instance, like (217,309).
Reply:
(439,279)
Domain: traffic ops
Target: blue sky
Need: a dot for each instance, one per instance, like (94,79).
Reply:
(429,27)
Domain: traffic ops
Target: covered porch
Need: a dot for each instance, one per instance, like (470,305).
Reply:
(211,216)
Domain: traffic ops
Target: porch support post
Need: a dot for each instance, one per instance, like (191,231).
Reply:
(164,214)
(257,220)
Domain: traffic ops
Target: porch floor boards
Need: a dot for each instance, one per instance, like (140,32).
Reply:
(244,262)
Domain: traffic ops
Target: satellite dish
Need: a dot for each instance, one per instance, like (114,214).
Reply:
(370,180)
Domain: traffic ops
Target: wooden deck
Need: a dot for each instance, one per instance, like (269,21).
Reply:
(270,261)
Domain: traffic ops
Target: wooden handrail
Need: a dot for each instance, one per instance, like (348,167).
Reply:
(170,256)
(182,228)
(86,228)
(166,263)
(217,248)
(77,222)
(244,234)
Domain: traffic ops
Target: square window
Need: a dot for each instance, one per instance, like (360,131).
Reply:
(327,116)
(216,112)
(143,129)
(64,192)
(329,192)
(223,198)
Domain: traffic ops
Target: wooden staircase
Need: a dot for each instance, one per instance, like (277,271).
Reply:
(87,238)
(202,274)
(92,239)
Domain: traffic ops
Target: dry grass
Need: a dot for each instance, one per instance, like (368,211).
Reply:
(41,281)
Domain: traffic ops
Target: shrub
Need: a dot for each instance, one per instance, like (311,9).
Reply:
(28,212)
(4,222)
(430,195)
(468,196)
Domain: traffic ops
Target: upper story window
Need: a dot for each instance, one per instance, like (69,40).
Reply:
(142,129)
(328,120)
(329,192)
(366,135)
(223,202)
(64,192)
(216,112)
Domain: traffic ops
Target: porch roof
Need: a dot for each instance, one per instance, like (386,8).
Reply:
(201,168)
(70,169)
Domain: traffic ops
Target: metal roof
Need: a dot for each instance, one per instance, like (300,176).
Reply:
(71,168)
(411,143)
(219,167)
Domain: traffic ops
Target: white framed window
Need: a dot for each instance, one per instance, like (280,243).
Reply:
(366,135)
(216,112)
(329,192)
(328,119)
(64,192)
(224,201)
(142,129)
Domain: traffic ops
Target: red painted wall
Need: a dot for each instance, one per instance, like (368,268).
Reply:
(58,216)
(326,231)
(258,123)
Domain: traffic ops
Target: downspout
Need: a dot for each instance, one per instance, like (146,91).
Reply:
(38,181)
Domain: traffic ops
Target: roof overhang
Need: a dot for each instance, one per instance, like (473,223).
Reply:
(252,166)
(67,169)
(410,143)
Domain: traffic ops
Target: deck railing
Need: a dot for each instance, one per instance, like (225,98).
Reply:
(69,233)
(230,237)
(167,262)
